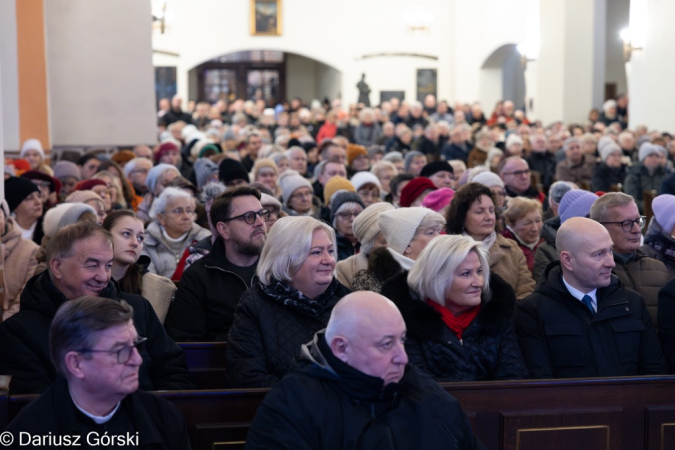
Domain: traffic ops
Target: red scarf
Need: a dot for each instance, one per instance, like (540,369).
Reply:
(456,323)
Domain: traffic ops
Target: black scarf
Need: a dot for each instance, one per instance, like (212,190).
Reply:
(285,294)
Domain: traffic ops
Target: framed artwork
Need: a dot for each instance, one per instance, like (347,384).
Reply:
(426,83)
(266,17)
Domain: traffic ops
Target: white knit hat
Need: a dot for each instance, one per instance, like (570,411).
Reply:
(365,225)
(648,148)
(488,179)
(513,139)
(399,225)
(290,181)
(63,215)
(268,200)
(362,178)
(608,149)
(32,144)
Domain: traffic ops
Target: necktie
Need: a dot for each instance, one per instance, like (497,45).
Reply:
(588,301)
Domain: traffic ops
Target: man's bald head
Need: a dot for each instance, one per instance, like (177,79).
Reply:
(357,311)
(577,232)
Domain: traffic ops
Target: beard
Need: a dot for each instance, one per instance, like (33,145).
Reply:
(251,247)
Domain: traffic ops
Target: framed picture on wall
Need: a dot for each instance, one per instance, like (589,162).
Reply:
(265,17)
(426,83)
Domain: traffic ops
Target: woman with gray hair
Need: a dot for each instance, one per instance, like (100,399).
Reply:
(294,299)
(171,232)
(457,314)
(158,178)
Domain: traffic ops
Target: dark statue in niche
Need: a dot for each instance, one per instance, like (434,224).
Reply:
(364,91)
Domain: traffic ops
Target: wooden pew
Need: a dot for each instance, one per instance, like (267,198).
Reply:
(206,362)
(626,413)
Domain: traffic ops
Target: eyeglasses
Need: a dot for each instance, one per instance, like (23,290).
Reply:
(348,214)
(181,211)
(42,184)
(627,225)
(123,354)
(518,173)
(143,171)
(302,194)
(250,216)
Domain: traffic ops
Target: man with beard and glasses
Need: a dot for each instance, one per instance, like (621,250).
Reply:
(211,288)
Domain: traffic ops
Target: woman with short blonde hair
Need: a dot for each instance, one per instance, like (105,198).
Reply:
(524,221)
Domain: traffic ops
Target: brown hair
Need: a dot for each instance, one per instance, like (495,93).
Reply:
(461,203)
(132,282)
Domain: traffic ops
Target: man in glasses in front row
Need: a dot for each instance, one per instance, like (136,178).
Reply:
(79,259)
(619,214)
(210,289)
(95,401)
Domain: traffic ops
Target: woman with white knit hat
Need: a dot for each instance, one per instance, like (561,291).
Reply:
(298,195)
(368,187)
(32,151)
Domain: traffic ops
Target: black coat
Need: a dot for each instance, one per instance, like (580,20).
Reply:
(488,349)
(266,335)
(24,352)
(666,321)
(545,164)
(604,177)
(560,338)
(325,404)
(207,295)
(159,424)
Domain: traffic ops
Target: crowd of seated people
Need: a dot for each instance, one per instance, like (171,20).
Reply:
(510,249)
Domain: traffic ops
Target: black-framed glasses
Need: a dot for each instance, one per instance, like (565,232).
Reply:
(249,216)
(123,354)
(627,225)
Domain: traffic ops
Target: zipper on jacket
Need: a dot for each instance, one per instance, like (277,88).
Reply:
(232,273)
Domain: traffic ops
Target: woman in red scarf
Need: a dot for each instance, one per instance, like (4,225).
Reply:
(458,315)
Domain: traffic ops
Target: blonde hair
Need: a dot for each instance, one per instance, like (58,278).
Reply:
(381,166)
(287,247)
(434,269)
(518,207)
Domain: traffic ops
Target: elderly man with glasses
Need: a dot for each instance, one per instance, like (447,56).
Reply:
(619,214)
(515,172)
(211,288)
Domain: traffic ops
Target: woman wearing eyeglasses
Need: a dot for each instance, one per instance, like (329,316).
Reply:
(344,207)
(171,232)
(298,195)
(294,299)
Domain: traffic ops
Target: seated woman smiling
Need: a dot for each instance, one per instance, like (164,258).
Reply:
(457,314)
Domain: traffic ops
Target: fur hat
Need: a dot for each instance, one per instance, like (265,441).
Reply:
(648,148)
(230,170)
(414,189)
(155,172)
(576,203)
(336,183)
(436,166)
(664,211)
(353,151)
(290,181)
(399,226)
(32,144)
(16,191)
(64,169)
(340,198)
(438,199)
(204,168)
(366,225)
(63,215)
(82,197)
(489,179)
(360,179)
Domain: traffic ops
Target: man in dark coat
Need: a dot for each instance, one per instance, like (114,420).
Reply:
(95,401)
(175,114)
(211,288)
(515,173)
(353,389)
(580,321)
(456,148)
(80,259)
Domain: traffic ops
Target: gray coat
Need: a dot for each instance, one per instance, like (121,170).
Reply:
(164,261)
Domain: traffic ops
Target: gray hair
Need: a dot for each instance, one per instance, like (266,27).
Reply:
(294,149)
(433,271)
(557,190)
(571,140)
(383,165)
(287,247)
(211,191)
(601,207)
(161,202)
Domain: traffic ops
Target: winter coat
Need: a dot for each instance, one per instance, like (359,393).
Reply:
(644,275)
(18,264)
(566,171)
(327,131)
(507,261)
(206,299)
(164,260)
(477,157)
(546,252)
(383,264)
(660,246)
(25,337)
(452,151)
(267,333)
(527,251)
(325,404)
(666,315)
(604,177)
(367,135)
(347,268)
(560,338)
(488,349)
(545,164)
(159,424)
(345,248)
(639,180)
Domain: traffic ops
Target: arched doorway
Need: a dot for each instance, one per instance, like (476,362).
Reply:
(502,77)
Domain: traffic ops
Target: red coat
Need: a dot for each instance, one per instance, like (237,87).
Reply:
(327,131)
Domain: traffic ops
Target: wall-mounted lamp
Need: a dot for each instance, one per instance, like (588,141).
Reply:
(628,47)
(417,19)
(160,16)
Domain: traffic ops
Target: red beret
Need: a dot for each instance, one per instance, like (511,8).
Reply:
(414,189)
(86,185)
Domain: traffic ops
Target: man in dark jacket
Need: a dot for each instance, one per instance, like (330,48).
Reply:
(95,401)
(541,160)
(515,173)
(211,288)
(352,388)
(580,321)
(80,259)
(456,148)
(175,114)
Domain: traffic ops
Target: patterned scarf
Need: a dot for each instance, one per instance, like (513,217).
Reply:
(662,245)
(285,294)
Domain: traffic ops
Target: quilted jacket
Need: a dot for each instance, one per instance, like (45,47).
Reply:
(266,336)
(489,348)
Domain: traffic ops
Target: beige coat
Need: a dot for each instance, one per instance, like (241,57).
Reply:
(159,291)
(508,261)
(347,268)
(18,264)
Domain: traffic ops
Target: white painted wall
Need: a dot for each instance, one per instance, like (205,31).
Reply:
(617,20)
(9,78)
(99,72)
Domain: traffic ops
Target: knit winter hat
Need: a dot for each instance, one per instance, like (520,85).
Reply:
(436,166)
(608,149)
(664,211)
(230,170)
(438,199)
(16,191)
(340,198)
(648,148)
(37,175)
(290,181)
(198,147)
(513,139)
(489,179)
(204,168)
(353,151)
(576,203)
(32,144)
(64,169)
(414,189)
(336,183)
(215,148)
(366,225)
(399,226)
(409,159)
(164,149)
(122,157)
(88,185)
(264,163)
(360,179)
(267,200)
(155,172)
(604,140)
(63,215)
(82,197)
